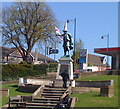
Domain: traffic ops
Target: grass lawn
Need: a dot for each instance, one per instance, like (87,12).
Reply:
(13,92)
(92,99)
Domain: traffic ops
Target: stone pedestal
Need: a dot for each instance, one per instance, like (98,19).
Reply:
(65,63)
(107,91)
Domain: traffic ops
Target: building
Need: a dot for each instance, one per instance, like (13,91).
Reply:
(97,63)
(114,53)
(11,55)
(89,62)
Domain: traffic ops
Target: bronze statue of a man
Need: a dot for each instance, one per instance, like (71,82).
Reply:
(67,39)
(67,42)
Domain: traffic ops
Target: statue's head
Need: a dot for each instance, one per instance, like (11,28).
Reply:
(65,31)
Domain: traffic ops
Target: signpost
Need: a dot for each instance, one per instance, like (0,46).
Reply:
(53,51)
(83,59)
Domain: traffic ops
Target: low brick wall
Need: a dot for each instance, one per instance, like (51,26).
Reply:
(114,72)
(38,81)
(84,89)
(9,82)
(106,88)
(110,72)
(96,84)
(87,74)
(34,81)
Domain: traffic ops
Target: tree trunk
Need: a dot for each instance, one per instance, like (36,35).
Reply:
(25,58)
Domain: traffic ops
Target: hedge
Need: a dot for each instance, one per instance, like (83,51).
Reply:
(52,67)
(15,71)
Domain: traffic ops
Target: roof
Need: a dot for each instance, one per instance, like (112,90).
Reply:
(96,60)
(107,51)
(7,51)
(42,57)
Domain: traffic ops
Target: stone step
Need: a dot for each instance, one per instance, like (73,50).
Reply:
(49,91)
(59,87)
(55,89)
(30,107)
(38,107)
(34,105)
(51,94)
(56,86)
(46,99)
(40,104)
(50,85)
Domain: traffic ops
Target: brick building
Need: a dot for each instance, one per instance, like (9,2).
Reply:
(11,55)
(97,63)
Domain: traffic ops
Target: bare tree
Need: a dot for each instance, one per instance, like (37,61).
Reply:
(79,46)
(76,56)
(25,24)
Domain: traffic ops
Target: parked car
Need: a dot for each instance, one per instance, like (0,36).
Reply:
(4,62)
(76,75)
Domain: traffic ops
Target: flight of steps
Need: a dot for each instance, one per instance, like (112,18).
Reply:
(49,98)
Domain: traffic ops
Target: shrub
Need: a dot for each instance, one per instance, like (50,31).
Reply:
(52,67)
(40,69)
(14,71)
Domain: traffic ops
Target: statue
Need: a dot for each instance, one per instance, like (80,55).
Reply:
(67,39)
(65,62)
(67,42)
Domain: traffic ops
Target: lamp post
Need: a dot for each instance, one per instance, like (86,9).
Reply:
(45,49)
(74,20)
(107,36)
(54,53)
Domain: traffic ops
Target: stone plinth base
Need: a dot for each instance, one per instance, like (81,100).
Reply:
(59,83)
(107,91)
(65,63)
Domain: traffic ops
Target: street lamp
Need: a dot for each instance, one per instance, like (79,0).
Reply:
(54,53)
(107,36)
(45,48)
(74,20)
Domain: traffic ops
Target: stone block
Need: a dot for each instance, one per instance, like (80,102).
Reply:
(4,92)
(107,91)
(65,63)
